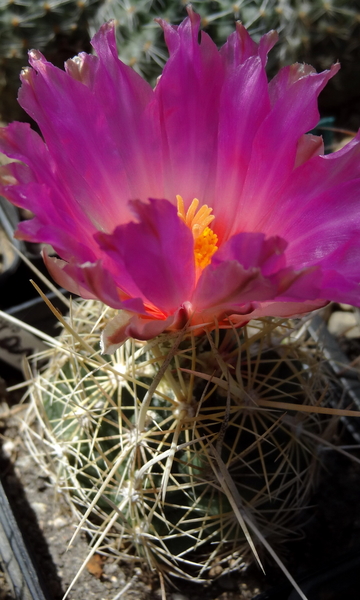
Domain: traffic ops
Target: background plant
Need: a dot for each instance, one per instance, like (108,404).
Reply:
(301,25)
(320,33)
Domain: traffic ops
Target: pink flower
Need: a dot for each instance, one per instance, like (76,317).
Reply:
(200,201)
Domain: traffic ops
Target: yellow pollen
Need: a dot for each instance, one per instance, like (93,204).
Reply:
(205,247)
(198,221)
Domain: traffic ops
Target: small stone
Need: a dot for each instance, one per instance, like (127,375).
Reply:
(4,407)
(25,462)
(346,306)
(8,448)
(59,522)
(39,508)
(110,568)
(215,571)
(344,323)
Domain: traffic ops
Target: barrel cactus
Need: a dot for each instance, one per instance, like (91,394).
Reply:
(57,27)
(183,450)
(25,25)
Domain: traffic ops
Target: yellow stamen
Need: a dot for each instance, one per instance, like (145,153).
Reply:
(196,221)
(205,239)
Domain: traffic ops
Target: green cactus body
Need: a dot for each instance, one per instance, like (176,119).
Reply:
(58,28)
(26,24)
(164,444)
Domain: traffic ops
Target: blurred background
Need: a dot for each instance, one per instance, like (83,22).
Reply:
(319,32)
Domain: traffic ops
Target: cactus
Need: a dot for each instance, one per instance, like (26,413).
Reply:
(317,32)
(175,451)
(26,24)
(59,28)
(301,26)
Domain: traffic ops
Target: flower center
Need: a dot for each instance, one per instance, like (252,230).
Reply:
(205,239)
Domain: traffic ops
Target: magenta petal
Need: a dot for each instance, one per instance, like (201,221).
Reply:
(19,141)
(240,46)
(327,227)
(252,250)
(54,227)
(249,270)
(244,105)
(113,102)
(37,187)
(339,265)
(313,215)
(187,99)
(245,270)
(339,288)
(229,288)
(89,281)
(279,309)
(275,145)
(157,252)
(314,195)
(129,116)
(287,77)
(126,325)
(308,147)
(82,68)
(67,276)
(48,94)
(104,43)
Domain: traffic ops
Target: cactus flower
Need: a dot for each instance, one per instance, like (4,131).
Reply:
(200,202)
